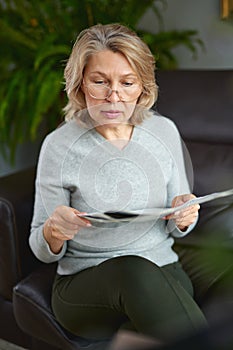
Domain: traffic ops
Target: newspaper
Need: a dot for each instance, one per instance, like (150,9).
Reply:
(151,213)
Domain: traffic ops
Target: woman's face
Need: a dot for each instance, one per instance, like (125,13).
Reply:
(104,70)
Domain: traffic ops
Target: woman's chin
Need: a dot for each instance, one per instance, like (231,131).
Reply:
(110,122)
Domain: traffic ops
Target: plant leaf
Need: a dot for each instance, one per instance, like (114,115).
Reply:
(16,36)
(52,51)
(47,95)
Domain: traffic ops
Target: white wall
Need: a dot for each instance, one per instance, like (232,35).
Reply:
(204,16)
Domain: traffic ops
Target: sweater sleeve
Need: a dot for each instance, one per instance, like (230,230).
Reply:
(49,193)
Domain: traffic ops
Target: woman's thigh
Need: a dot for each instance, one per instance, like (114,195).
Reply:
(97,301)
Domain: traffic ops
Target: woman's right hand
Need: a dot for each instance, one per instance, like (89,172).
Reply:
(62,226)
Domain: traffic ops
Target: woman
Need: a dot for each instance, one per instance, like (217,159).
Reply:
(114,154)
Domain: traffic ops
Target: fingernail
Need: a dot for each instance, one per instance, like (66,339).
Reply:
(81,214)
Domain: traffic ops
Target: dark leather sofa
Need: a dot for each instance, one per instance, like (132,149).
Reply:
(201,104)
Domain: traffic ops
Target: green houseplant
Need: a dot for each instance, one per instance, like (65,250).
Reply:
(37,37)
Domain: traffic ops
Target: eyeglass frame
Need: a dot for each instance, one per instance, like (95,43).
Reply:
(110,93)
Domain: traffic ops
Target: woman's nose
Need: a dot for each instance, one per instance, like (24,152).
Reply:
(114,95)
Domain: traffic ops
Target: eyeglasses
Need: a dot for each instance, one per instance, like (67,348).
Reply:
(126,93)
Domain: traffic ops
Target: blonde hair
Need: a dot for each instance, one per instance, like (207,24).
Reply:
(116,38)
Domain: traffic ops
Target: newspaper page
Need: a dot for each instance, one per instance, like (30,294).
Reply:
(152,213)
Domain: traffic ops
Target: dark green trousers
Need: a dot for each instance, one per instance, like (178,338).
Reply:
(127,292)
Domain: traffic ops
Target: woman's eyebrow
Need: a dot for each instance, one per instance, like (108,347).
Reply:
(106,75)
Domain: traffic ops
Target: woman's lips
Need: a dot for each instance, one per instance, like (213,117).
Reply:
(112,114)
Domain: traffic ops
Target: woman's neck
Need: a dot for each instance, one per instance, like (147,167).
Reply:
(120,131)
(118,135)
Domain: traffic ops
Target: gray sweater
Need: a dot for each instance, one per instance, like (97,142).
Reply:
(80,168)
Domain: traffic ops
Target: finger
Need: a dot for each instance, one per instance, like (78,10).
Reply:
(186,221)
(58,222)
(60,231)
(81,220)
(67,218)
(185,212)
(179,200)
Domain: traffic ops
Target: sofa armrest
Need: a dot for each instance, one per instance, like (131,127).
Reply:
(33,312)
(10,269)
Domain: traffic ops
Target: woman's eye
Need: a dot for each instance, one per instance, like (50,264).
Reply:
(127,84)
(99,82)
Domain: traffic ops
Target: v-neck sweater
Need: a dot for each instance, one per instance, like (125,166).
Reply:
(79,168)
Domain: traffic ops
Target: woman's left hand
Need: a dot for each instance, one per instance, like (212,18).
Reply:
(187,216)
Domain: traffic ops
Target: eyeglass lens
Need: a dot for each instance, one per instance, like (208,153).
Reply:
(103,92)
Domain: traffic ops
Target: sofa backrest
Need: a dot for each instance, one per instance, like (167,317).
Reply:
(201,105)
(18,189)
